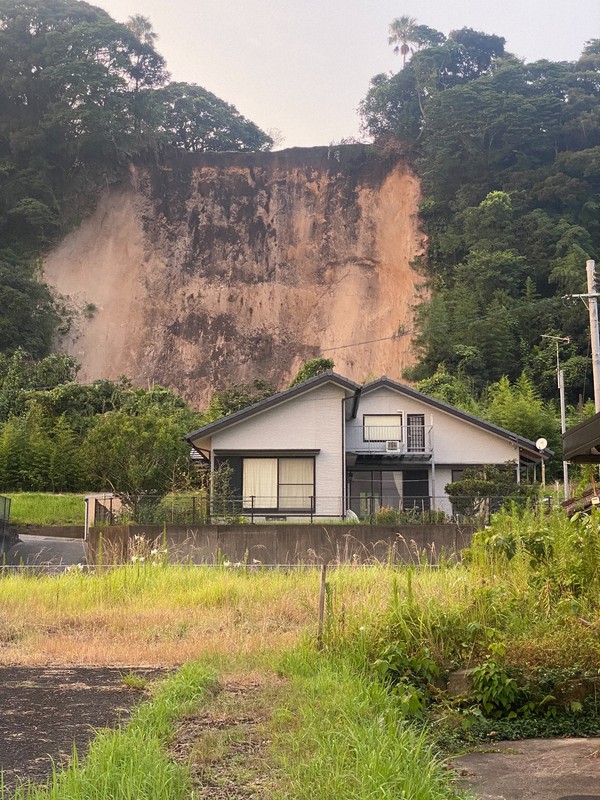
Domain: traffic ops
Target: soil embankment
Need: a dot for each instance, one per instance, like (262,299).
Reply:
(214,269)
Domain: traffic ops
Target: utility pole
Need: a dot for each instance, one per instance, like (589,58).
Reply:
(595,335)
(560,375)
(592,298)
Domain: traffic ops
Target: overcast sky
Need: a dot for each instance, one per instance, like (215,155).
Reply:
(302,66)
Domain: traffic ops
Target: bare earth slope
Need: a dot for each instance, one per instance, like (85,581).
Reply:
(213,269)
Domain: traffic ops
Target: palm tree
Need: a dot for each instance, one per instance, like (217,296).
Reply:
(142,27)
(402,31)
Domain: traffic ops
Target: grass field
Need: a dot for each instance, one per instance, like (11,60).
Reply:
(30,508)
(349,720)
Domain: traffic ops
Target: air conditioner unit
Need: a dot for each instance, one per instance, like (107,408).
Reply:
(394,447)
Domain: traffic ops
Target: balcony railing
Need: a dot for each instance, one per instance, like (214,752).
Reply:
(400,440)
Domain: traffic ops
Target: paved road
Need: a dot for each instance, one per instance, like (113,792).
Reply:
(46,551)
(534,769)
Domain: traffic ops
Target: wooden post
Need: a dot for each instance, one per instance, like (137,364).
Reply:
(322,606)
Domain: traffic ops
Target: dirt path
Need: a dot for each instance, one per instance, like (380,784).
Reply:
(225,745)
(43,711)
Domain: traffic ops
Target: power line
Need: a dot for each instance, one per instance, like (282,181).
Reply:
(399,334)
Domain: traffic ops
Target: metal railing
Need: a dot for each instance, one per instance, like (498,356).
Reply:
(193,510)
(390,439)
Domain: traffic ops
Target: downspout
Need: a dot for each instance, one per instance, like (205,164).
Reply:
(356,400)
(344,477)
(353,413)
(432,467)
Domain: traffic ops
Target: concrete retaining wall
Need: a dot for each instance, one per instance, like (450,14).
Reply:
(282,544)
(57,531)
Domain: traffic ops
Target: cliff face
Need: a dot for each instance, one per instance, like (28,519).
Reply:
(218,268)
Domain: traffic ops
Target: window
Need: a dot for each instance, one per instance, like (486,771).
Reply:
(284,484)
(415,433)
(382,427)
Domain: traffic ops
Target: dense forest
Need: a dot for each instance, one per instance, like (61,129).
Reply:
(509,158)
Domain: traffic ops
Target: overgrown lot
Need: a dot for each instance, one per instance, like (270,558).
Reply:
(368,713)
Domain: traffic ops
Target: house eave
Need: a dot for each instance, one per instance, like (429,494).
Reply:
(269,402)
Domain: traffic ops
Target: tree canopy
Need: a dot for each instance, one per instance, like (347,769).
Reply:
(509,157)
(58,435)
(80,96)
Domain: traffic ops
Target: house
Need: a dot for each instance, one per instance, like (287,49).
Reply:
(329,446)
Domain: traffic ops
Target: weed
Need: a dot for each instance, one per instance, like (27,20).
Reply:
(136,682)
(494,690)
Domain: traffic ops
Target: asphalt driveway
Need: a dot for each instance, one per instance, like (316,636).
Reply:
(46,551)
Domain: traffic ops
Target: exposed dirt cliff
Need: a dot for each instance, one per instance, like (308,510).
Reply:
(214,269)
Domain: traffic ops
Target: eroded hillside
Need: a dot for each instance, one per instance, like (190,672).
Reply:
(214,269)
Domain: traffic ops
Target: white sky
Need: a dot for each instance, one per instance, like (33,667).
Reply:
(302,66)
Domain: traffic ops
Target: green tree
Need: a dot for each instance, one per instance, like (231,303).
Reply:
(27,312)
(518,407)
(236,397)
(312,368)
(20,373)
(454,389)
(197,120)
(136,455)
(80,96)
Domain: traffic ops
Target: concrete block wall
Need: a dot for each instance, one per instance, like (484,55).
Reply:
(285,544)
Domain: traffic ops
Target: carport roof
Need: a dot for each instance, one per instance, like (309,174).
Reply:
(581,444)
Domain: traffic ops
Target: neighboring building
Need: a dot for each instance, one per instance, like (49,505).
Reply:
(581,443)
(330,445)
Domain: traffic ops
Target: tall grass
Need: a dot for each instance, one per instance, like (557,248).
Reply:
(340,736)
(530,586)
(531,581)
(154,614)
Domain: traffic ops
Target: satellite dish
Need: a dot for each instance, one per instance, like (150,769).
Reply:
(541,443)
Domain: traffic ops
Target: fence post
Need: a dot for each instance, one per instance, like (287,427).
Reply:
(312,508)
(252,509)
(322,594)
(193,510)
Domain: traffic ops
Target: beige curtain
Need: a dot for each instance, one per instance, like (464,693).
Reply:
(382,427)
(296,482)
(260,482)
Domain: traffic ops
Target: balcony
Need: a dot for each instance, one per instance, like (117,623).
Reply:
(408,441)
